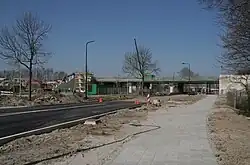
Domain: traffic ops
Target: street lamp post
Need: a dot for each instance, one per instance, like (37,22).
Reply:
(86,69)
(185,63)
(20,80)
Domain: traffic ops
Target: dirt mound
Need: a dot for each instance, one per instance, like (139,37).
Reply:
(53,98)
(40,99)
(13,101)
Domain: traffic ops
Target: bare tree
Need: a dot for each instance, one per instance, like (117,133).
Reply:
(184,73)
(234,16)
(218,4)
(23,43)
(140,64)
(236,58)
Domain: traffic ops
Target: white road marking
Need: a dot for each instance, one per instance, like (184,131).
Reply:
(45,110)
(55,126)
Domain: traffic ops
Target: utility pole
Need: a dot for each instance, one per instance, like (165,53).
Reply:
(118,85)
(139,62)
(86,69)
(13,82)
(20,80)
(173,80)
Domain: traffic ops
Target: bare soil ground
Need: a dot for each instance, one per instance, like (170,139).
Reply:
(62,141)
(229,135)
(182,99)
(178,100)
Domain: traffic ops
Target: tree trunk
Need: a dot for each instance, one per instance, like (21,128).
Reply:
(30,81)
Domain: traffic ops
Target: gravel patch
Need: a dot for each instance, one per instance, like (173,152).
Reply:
(229,135)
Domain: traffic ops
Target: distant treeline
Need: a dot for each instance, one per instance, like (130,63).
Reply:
(38,73)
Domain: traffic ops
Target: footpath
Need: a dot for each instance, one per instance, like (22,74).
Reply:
(182,139)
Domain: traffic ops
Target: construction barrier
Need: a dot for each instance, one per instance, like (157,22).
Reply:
(148,99)
(100,100)
(137,102)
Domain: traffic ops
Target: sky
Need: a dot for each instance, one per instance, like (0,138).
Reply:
(176,31)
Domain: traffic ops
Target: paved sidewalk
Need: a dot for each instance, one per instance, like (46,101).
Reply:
(182,140)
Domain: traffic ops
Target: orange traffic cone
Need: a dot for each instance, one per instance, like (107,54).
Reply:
(137,102)
(100,100)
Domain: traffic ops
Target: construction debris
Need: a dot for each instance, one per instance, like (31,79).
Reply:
(13,101)
(90,122)
(49,98)
(156,102)
(42,99)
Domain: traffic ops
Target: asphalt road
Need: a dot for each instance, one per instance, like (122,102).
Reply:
(46,107)
(17,123)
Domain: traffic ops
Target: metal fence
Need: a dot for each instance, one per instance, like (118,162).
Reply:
(129,91)
(238,100)
(115,90)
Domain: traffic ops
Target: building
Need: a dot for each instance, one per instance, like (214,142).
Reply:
(160,84)
(75,82)
(80,79)
(232,82)
(125,85)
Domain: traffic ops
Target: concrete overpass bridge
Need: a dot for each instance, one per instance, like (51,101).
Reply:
(206,82)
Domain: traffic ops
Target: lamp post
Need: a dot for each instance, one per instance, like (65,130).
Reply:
(185,63)
(20,80)
(86,69)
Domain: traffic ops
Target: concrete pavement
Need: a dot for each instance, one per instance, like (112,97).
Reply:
(182,140)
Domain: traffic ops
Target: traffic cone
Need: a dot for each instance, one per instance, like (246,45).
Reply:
(100,100)
(137,102)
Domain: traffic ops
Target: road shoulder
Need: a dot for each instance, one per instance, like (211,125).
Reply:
(229,135)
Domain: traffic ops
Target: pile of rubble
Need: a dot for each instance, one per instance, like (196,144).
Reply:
(48,99)
(13,101)
(53,98)
(42,99)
